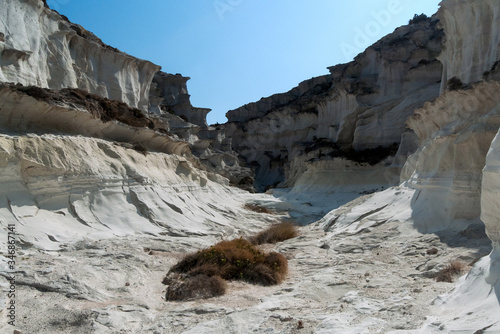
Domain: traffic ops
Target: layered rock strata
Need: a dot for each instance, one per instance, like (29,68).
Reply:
(42,48)
(98,183)
(490,195)
(472,39)
(360,105)
(455,133)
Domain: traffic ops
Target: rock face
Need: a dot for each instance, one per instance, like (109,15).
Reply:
(472,39)
(69,195)
(169,94)
(39,47)
(490,195)
(43,49)
(122,176)
(361,105)
(456,130)
(455,133)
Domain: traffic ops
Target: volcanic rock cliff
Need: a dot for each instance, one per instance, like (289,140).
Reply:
(108,176)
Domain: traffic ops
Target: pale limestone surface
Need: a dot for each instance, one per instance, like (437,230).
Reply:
(473,37)
(490,194)
(455,134)
(42,49)
(363,104)
(99,224)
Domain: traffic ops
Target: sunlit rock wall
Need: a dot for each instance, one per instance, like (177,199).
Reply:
(472,43)
(43,49)
(360,105)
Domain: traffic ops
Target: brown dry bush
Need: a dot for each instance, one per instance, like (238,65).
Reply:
(236,259)
(272,271)
(432,251)
(455,268)
(258,208)
(199,286)
(276,233)
(36,92)
(208,269)
(104,109)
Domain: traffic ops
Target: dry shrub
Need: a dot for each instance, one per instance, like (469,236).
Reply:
(141,149)
(104,109)
(235,259)
(258,208)
(199,286)
(272,271)
(38,93)
(432,251)
(202,274)
(455,268)
(209,269)
(261,274)
(276,233)
(418,18)
(455,83)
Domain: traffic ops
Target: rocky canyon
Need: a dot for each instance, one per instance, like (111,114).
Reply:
(389,165)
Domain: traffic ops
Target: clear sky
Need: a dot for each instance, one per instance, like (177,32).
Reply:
(237,51)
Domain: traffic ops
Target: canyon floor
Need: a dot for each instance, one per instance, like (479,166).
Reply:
(372,275)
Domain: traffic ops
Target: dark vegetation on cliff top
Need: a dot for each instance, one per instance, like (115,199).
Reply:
(418,18)
(102,108)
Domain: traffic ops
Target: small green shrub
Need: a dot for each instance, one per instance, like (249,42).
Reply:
(455,268)
(276,233)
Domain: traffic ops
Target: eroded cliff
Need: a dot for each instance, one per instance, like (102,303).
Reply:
(43,49)
(472,39)
(110,180)
(359,106)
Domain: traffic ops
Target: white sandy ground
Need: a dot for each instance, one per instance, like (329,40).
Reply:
(369,273)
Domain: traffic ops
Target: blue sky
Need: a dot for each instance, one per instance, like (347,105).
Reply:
(237,51)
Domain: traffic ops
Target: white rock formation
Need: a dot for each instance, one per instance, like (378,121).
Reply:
(169,94)
(40,48)
(20,113)
(98,224)
(455,133)
(54,194)
(472,38)
(490,197)
(473,306)
(360,105)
